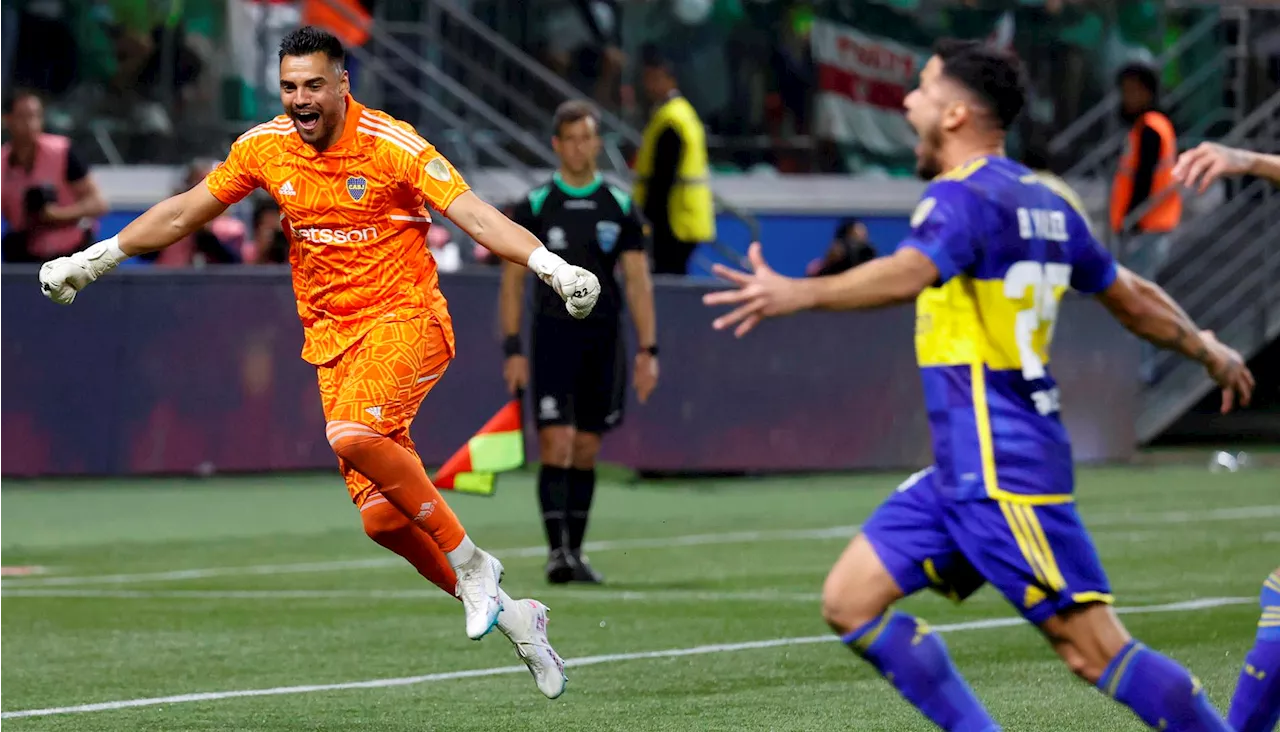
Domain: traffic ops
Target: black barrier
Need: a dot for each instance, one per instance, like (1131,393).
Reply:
(190,372)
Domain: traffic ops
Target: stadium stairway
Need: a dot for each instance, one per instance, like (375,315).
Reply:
(488,102)
(1211,61)
(1224,269)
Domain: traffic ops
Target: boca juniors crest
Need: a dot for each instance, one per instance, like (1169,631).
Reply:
(356,186)
(607,235)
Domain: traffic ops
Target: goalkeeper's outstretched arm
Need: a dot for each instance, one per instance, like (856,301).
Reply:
(160,226)
(170,221)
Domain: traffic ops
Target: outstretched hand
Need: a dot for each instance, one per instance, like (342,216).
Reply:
(1228,369)
(1207,162)
(761,293)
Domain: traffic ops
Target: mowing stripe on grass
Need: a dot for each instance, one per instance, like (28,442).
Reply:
(1200,604)
(735,537)
(549,594)
(1241,513)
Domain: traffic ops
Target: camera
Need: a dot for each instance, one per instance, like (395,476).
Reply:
(35,198)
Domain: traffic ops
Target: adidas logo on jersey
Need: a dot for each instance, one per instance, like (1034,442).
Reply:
(287,189)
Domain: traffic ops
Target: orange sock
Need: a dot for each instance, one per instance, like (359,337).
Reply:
(400,477)
(385,524)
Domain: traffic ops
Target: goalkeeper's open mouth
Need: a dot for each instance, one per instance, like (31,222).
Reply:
(307,120)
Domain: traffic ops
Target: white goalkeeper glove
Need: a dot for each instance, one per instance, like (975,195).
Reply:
(576,286)
(62,278)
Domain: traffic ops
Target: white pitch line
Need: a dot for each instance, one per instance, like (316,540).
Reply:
(548,594)
(738,537)
(1236,513)
(1200,604)
(735,537)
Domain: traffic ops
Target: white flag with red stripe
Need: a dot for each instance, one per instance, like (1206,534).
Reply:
(862,82)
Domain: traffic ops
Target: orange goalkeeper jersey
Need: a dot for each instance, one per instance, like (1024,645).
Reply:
(356,220)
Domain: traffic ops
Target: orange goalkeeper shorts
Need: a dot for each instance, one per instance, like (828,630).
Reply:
(381,380)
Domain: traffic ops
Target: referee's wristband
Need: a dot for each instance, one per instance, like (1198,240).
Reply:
(651,350)
(511,346)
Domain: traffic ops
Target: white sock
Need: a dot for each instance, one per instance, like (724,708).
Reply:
(462,554)
(512,618)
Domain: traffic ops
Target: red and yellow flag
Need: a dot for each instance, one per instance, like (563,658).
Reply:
(497,447)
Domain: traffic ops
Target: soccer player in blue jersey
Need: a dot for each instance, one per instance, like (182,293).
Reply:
(990,254)
(1255,707)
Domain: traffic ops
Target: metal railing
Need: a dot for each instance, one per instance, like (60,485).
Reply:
(1098,131)
(458,106)
(524,75)
(1226,275)
(506,88)
(1105,111)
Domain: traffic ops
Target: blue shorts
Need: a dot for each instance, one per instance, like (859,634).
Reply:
(1039,557)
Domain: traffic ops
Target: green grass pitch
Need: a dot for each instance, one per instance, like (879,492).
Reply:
(164,588)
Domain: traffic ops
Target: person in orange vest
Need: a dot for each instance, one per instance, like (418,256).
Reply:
(349,20)
(1146,203)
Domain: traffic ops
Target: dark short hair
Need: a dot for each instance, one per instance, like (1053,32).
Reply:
(653,57)
(572,111)
(308,40)
(11,100)
(1141,73)
(846,226)
(995,76)
(265,206)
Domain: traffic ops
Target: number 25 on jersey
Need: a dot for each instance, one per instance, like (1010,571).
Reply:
(1045,282)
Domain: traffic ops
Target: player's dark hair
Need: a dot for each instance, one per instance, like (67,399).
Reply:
(17,95)
(572,111)
(995,76)
(308,40)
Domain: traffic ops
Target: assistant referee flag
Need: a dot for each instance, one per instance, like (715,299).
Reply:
(497,447)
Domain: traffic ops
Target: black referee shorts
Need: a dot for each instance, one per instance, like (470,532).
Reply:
(579,374)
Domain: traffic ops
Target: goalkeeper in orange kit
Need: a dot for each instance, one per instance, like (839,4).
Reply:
(352,184)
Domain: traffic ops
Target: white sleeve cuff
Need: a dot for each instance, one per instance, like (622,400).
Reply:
(103,256)
(543,262)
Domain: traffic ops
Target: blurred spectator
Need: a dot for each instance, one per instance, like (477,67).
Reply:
(269,244)
(673,185)
(793,67)
(41,46)
(49,199)
(1145,201)
(850,247)
(448,255)
(218,242)
(1077,32)
(346,19)
(154,64)
(9,43)
(582,41)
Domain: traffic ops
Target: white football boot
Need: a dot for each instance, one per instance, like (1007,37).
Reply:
(525,623)
(478,589)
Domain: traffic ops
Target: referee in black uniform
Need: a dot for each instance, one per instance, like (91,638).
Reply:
(579,366)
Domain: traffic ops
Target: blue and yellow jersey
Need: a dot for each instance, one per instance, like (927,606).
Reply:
(1007,248)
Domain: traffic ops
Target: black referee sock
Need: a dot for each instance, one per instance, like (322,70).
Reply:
(553,489)
(582,488)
